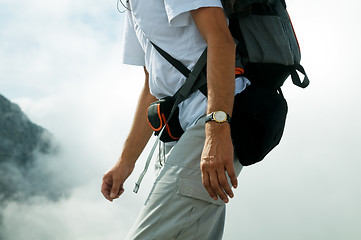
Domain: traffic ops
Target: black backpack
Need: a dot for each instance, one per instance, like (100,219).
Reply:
(267,47)
(267,53)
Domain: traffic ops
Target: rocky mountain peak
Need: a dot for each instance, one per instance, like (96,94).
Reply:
(25,149)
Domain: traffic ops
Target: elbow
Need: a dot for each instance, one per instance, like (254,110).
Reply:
(230,44)
(224,46)
(228,40)
(224,41)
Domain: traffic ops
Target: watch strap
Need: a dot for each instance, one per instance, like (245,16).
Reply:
(210,117)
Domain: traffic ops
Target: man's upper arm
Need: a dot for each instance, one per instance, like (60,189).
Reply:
(212,24)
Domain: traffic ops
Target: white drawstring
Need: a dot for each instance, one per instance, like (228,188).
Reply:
(137,184)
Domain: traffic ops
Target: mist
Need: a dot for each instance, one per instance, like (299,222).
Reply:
(60,197)
(59,61)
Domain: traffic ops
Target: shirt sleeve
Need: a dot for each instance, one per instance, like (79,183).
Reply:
(132,51)
(178,12)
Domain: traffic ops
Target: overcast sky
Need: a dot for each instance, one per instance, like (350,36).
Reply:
(59,60)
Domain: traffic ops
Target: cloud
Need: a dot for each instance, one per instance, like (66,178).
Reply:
(90,141)
(83,216)
(60,62)
(60,42)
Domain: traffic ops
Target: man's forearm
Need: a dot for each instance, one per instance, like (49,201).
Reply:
(217,154)
(220,76)
(221,58)
(140,131)
(113,180)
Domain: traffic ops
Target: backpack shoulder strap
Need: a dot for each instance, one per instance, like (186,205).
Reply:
(193,77)
(177,64)
(187,88)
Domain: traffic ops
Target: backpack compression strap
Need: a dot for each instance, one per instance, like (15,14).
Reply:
(296,79)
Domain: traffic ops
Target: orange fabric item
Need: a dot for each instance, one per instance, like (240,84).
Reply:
(239,71)
(167,128)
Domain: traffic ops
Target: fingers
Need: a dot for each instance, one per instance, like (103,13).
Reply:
(207,185)
(217,185)
(116,190)
(225,185)
(112,187)
(232,175)
(106,187)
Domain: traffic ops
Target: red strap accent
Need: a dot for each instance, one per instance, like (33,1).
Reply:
(160,120)
(168,128)
(294,32)
(239,71)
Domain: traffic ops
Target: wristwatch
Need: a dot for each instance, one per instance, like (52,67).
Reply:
(219,117)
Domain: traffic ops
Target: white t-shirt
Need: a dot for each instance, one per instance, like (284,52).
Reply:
(168,23)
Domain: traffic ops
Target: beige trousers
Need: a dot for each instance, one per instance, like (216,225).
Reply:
(178,206)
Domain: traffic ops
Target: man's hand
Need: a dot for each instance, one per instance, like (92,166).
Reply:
(113,180)
(140,132)
(217,159)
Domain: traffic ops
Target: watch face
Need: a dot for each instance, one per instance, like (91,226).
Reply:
(220,116)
